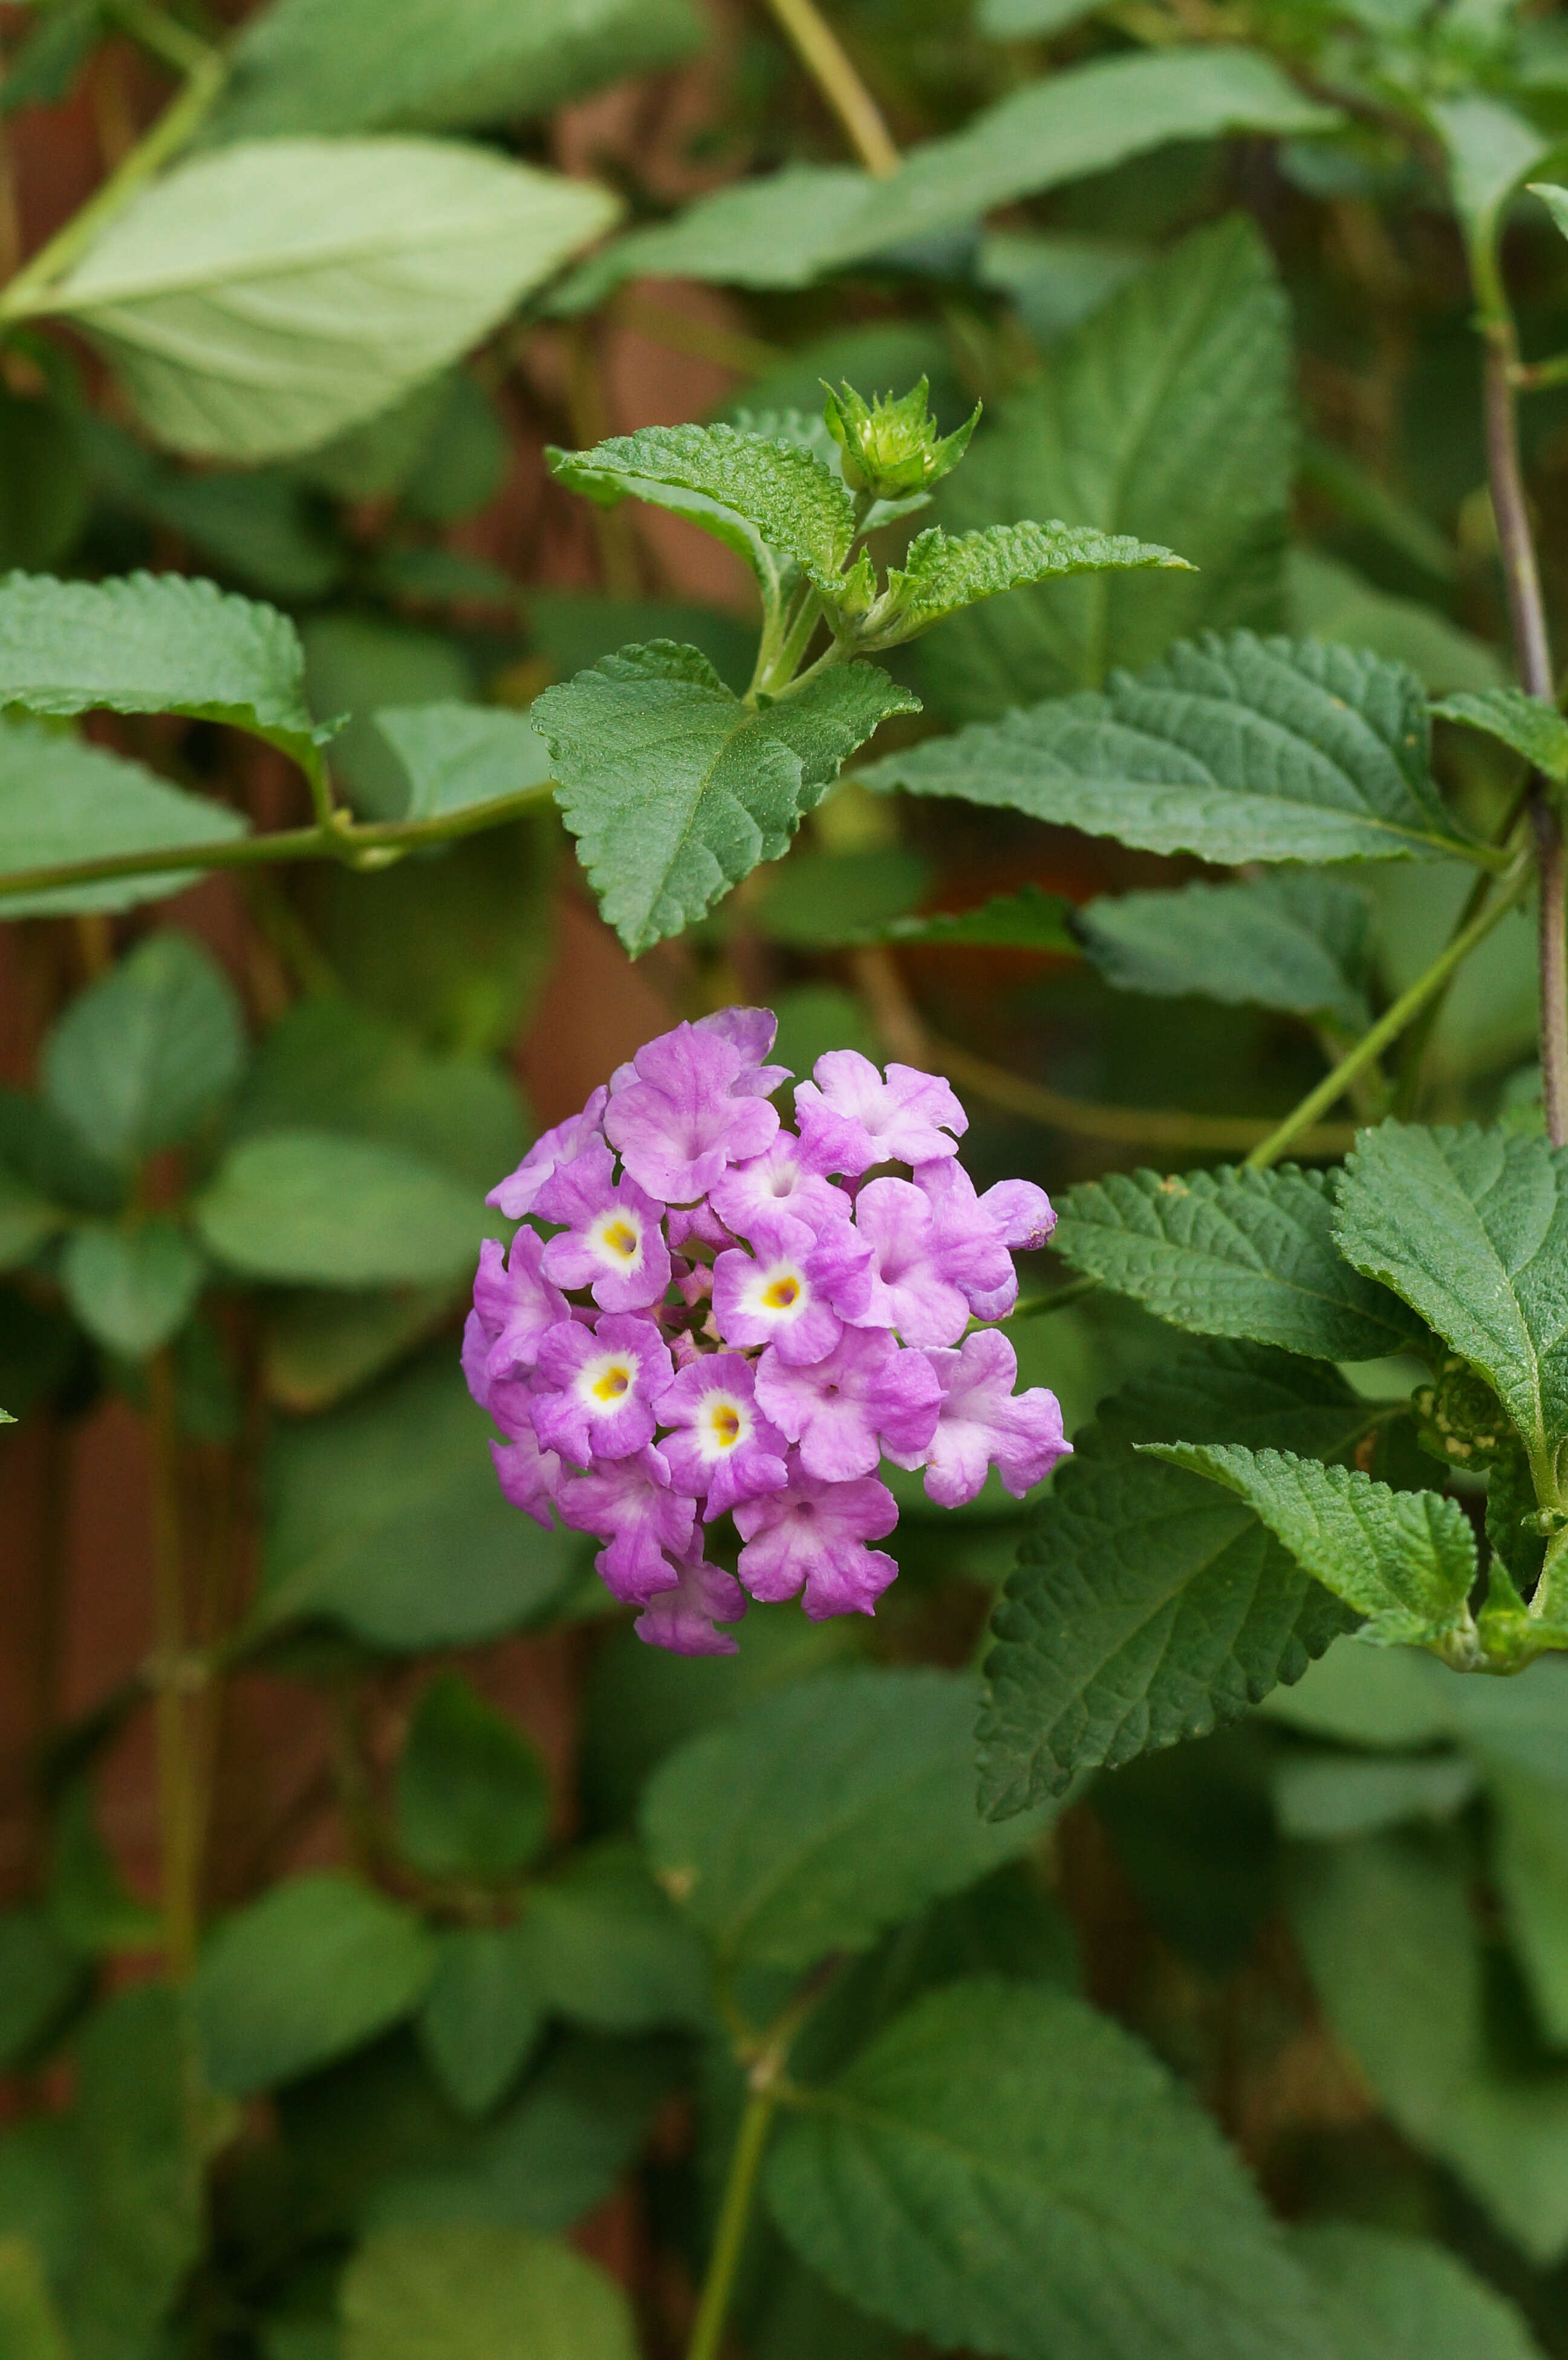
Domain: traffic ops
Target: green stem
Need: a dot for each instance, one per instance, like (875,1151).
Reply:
(778,677)
(823,57)
(1393,1021)
(1535,376)
(734,2218)
(373,846)
(205,70)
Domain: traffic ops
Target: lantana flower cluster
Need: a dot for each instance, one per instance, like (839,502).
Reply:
(707,1315)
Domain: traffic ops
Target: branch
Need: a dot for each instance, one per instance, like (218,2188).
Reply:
(820,52)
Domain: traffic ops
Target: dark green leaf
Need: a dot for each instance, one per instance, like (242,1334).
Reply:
(25,1220)
(1530,1862)
(457,755)
(39,1978)
(1233,1253)
(1527,724)
(90,1906)
(315,1967)
(386,1516)
(1330,601)
(1471,1228)
(61,801)
(473,1800)
(43,2192)
(56,47)
(29,2324)
(312,1209)
(262,526)
(677,790)
(1322,1797)
(467,2292)
(1029,920)
(1405,1560)
(1202,344)
(137,1062)
(1006,2168)
(1396,2298)
(46,494)
(1235,750)
(945,572)
(603,1946)
(132,1289)
(481,2016)
(1292,941)
(835,1809)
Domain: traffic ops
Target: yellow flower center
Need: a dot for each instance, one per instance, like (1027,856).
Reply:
(621,1239)
(726,1425)
(781,1294)
(612,1385)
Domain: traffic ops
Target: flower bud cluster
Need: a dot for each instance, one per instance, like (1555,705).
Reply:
(707,1315)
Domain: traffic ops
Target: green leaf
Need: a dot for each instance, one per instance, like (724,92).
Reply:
(1470,1228)
(467,2292)
(473,1800)
(27,1220)
(1235,750)
(1233,1253)
(457,755)
(1330,601)
(1147,1608)
(46,494)
(265,527)
(367,65)
(90,1906)
(385,1515)
(1006,2169)
(943,574)
(1405,1560)
(315,1967)
(318,1347)
(1297,941)
(138,2141)
(481,2017)
(762,497)
(1202,344)
(39,1978)
(1320,1797)
(61,801)
(814,900)
(1054,282)
(1555,199)
(132,1289)
(1029,920)
(1527,724)
(143,1055)
(1529,1864)
(43,70)
(602,1945)
(1397,2298)
(155,643)
(29,2324)
(1395,1951)
(1490,149)
(305,1206)
(1024,20)
(256,300)
(834,1811)
(677,790)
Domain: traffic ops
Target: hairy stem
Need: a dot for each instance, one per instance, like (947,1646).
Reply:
(1526,614)
(179,1807)
(1297,1126)
(821,53)
(734,2218)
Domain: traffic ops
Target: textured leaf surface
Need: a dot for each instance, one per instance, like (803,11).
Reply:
(1168,415)
(1470,1227)
(833,1810)
(1527,724)
(457,755)
(155,643)
(139,1059)
(61,801)
(1296,942)
(1145,1608)
(256,300)
(369,65)
(943,573)
(385,1515)
(132,1289)
(1396,2298)
(315,1209)
(317,1965)
(1405,1560)
(677,790)
(1233,1253)
(1395,1951)
(1235,750)
(1005,2169)
(470,2292)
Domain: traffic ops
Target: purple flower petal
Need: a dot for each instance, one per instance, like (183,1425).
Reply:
(682,1618)
(785,1293)
(984,1424)
(914,1272)
(612,1241)
(751,1031)
(787,1183)
(684,1120)
(528,1475)
(852,1117)
(844,1410)
(514,1195)
(599,1386)
(630,1505)
(810,1541)
(514,1303)
(722,1446)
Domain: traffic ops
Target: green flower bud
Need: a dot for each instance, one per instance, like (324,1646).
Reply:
(1460,1419)
(892,447)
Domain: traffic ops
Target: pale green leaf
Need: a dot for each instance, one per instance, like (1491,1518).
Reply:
(1320,1797)
(756,495)
(155,643)
(1471,1228)
(132,1289)
(368,65)
(1527,724)
(776,231)
(472,1796)
(677,790)
(1233,1253)
(315,1967)
(1202,345)
(1389,2297)
(1029,920)
(30,2324)
(1555,199)
(384,1516)
(145,1054)
(466,2292)
(1007,2170)
(457,755)
(310,1209)
(1395,1951)
(1292,941)
(61,801)
(1405,1560)
(942,574)
(480,2017)
(1490,149)
(832,1811)
(256,300)
(1056,282)
(1330,601)
(1024,20)
(1147,1608)
(1529,1864)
